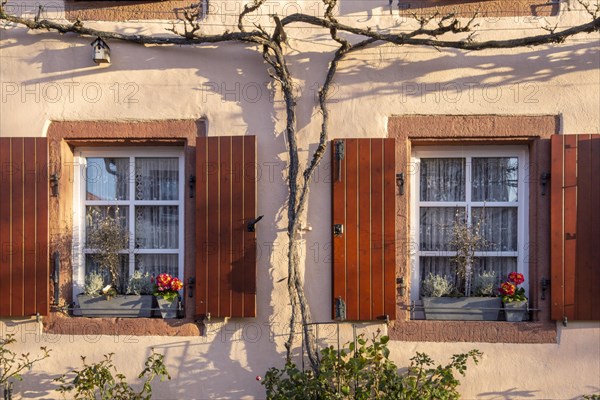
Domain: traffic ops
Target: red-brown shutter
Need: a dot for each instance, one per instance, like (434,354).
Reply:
(364,255)
(23,227)
(575,227)
(225,204)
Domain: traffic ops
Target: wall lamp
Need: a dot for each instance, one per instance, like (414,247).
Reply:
(101,51)
(54,184)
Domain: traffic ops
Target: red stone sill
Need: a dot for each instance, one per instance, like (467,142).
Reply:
(473,331)
(60,324)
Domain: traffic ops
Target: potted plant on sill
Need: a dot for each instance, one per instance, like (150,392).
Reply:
(442,301)
(166,291)
(107,239)
(471,298)
(99,300)
(513,297)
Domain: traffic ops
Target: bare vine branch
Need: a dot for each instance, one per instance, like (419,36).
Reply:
(248,8)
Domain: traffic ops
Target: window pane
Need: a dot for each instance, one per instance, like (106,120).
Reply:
(94,214)
(107,178)
(156,264)
(442,266)
(442,179)
(436,227)
(499,227)
(156,178)
(501,265)
(92,266)
(495,179)
(157,227)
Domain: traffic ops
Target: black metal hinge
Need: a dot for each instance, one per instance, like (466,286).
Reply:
(339,156)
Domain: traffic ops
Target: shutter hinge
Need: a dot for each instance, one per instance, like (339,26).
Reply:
(192,184)
(339,156)
(191,283)
(338,230)
(400,183)
(545,286)
(56,275)
(544,179)
(565,321)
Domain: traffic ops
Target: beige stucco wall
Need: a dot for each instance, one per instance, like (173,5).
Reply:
(47,77)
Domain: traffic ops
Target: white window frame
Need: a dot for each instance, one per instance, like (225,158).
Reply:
(469,152)
(79,203)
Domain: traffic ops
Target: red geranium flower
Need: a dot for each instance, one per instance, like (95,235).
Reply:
(516,278)
(507,289)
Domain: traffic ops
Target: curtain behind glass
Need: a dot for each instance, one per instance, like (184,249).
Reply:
(442,179)
(156,264)
(499,227)
(157,179)
(435,228)
(495,179)
(157,227)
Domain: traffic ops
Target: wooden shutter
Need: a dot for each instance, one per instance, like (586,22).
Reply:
(364,255)
(225,204)
(23,227)
(575,227)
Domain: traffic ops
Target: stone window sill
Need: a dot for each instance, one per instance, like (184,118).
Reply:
(61,324)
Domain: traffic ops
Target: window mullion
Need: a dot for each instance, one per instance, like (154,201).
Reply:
(132,238)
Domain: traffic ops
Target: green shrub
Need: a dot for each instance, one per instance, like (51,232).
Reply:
(364,371)
(12,364)
(102,381)
(436,286)
(140,284)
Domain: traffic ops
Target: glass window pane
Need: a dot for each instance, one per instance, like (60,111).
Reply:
(92,266)
(501,265)
(495,179)
(442,179)
(156,264)
(157,227)
(157,179)
(436,227)
(442,266)
(94,214)
(107,178)
(499,227)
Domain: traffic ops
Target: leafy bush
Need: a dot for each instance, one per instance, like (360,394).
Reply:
(97,382)
(364,371)
(140,283)
(484,284)
(12,365)
(437,286)
(94,282)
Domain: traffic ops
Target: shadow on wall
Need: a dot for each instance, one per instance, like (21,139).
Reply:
(398,71)
(509,394)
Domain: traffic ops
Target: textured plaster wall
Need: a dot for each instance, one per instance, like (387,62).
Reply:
(46,77)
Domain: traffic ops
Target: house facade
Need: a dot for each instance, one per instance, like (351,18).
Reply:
(186,146)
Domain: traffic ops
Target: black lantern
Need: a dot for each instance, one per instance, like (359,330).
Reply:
(101,51)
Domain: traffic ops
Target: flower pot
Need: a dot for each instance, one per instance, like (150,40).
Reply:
(462,308)
(168,308)
(123,306)
(515,311)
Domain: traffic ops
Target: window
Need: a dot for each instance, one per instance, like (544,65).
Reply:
(482,186)
(143,190)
